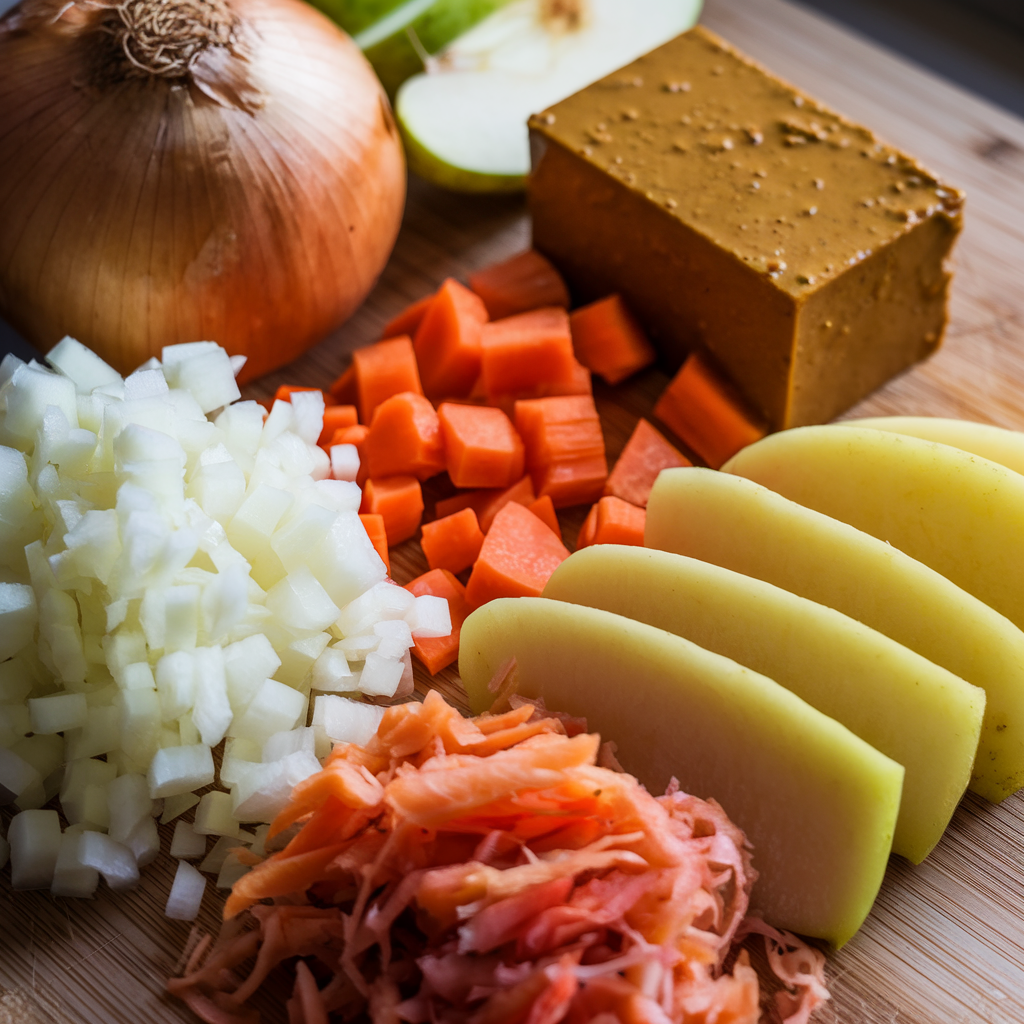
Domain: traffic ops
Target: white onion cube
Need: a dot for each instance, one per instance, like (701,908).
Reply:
(380,602)
(144,842)
(209,378)
(430,616)
(246,664)
(85,783)
(281,744)
(331,672)
(81,365)
(20,783)
(129,803)
(178,770)
(213,815)
(18,616)
(212,713)
(300,602)
(342,720)
(175,684)
(187,843)
(29,391)
(175,806)
(70,876)
(344,462)
(380,676)
(112,860)
(214,860)
(275,707)
(231,871)
(35,838)
(395,637)
(264,792)
(55,714)
(186,896)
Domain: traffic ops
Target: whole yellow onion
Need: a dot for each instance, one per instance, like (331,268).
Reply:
(183,170)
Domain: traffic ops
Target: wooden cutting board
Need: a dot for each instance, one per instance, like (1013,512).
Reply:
(945,942)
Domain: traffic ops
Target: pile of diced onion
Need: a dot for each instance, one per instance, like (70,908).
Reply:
(177,568)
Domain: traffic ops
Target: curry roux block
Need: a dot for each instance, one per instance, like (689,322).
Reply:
(737,214)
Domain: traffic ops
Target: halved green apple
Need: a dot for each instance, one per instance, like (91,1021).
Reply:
(464,118)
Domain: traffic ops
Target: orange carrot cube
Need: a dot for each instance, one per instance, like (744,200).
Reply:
(544,509)
(488,503)
(407,322)
(337,417)
(437,653)
(645,455)
(399,499)
(454,542)
(343,390)
(619,522)
(589,528)
(706,413)
(373,523)
(447,341)
(524,282)
(609,341)
(518,557)
(482,448)
(404,438)
(284,393)
(382,370)
(523,352)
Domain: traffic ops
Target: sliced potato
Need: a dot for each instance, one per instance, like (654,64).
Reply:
(742,526)
(910,709)
(960,514)
(818,804)
(994,443)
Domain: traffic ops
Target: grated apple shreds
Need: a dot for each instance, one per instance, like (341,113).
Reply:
(177,567)
(487,870)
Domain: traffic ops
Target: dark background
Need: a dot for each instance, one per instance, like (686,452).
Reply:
(979,44)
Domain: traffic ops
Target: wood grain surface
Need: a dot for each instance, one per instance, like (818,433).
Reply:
(945,942)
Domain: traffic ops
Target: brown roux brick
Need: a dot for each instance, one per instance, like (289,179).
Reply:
(735,213)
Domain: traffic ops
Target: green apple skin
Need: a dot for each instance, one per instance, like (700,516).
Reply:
(993,443)
(818,804)
(740,525)
(396,58)
(457,179)
(910,709)
(354,16)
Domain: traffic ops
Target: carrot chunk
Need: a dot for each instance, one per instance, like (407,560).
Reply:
(373,523)
(437,653)
(619,522)
(518,556)
(588,530)
(336,417)
(454,542)
(399,499)
(404,438)
(524,352)
(408,321)
(447,341)
(704,411)
(382,370)
(646,454)
(284,393)
(488,503)
(524,282)
(544,509)
(482,448)
(565,452)
(608,339)
(343,390)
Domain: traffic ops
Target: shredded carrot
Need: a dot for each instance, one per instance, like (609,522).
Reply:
(518,557)
(336,417)
(488,870)
(705,412)
(408,321)
(482,448)
(524,352)
(373,523)
(447,341)
(439,652)
(404,438)
(645,455)
(382,370)
(452,542)
(544,509)
(399,499)
(487,503)
(609,341)
(524,282)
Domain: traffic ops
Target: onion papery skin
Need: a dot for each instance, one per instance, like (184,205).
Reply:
(141,212)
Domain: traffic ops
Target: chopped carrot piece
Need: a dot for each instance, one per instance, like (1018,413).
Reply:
(588,530)
(619,522)
(524,282)
(518,556)
(382,370)
(544,509)
(706,413)
(564,447)
(373,523)
(488,503)
(646,454)
(447,341)
(404,438)
(609,341)
(399,499)
(453,542)
(408,321)
(353,435)
(523,352)
(437,653)
(335,418)
(284,393)
(343,390)
(482,448)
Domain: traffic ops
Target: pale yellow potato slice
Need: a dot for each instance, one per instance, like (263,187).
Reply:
(910,709)
(742,526)
(818,804)
(960,514)
(994,443)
